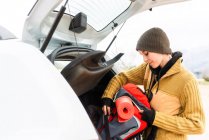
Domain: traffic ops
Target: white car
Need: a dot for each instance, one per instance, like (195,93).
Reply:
(53,73)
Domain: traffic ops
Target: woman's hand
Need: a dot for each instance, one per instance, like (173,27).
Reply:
(106,110)
(107,104)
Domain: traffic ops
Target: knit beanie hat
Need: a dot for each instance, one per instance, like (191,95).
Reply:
(154,40)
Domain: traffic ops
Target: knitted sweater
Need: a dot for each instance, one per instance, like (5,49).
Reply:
(177,101)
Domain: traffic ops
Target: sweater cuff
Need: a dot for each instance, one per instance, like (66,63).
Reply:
(158,119)
(107,101)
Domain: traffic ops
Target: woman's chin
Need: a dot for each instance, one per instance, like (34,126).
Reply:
(153,66)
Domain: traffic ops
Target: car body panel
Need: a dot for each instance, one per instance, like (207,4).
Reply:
(35,101)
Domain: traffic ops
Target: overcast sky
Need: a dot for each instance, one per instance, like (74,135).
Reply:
(185,23)
(13,13)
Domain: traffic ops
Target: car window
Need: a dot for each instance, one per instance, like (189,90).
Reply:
(100,12)
(6,34)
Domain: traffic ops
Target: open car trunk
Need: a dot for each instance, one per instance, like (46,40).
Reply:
(85,70)
(88,74)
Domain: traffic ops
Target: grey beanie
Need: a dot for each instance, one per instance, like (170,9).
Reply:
(154,40)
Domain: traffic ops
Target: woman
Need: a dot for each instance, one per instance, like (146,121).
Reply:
(172,90)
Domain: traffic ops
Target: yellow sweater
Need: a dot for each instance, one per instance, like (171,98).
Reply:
(177,103)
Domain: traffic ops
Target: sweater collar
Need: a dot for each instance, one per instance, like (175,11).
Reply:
(160,72)
(176,68)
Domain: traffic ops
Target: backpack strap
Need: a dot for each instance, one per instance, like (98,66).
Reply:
(107,130)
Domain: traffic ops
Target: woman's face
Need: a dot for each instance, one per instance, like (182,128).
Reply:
(153,59)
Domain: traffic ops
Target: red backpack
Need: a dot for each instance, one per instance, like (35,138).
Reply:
(125,129)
